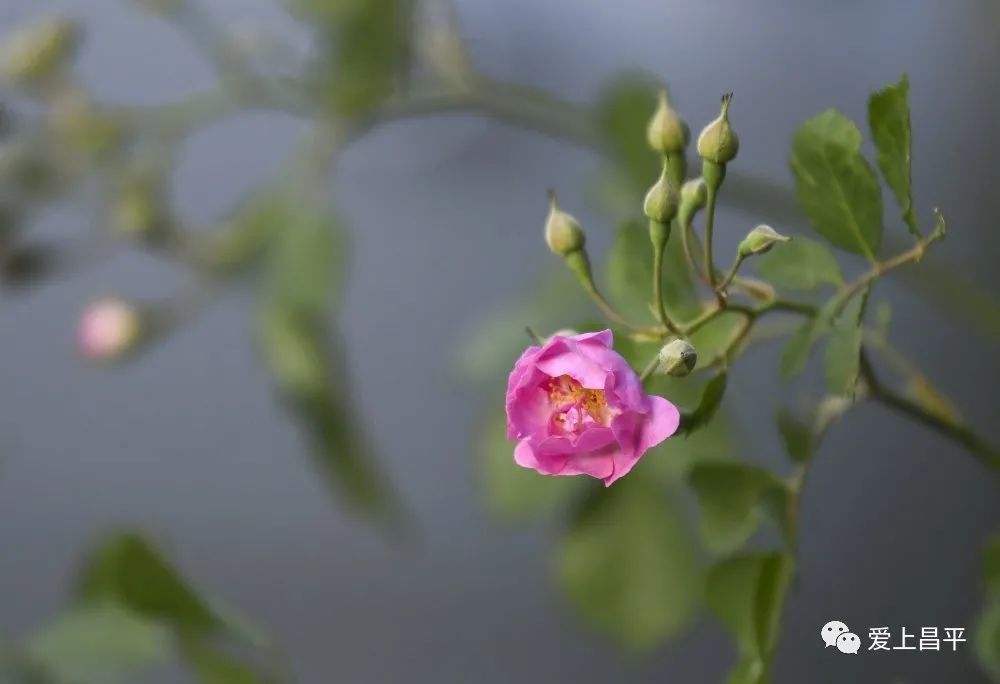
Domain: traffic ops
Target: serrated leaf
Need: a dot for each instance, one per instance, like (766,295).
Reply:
(628,565)
(730,495)
(711,399)
(843,352)
(837,188)
(801,264)
(514,493)
(889,120)
(98,643)
(747,594)
(129,570)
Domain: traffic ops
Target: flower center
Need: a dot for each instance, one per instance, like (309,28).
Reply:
(574,406)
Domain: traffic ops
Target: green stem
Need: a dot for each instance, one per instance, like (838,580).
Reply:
(658,294)
(709,264)
(721,288)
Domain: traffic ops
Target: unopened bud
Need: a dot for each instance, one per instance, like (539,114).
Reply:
(694,196)
(666,132)
(563,233)
(108,329)
(718,142)
(760,240)
(37,53)
(662,199)
(677,358)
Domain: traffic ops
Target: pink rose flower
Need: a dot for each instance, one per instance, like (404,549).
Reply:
(577,408)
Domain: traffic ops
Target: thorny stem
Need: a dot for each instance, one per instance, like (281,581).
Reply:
(709,265)
(658,293)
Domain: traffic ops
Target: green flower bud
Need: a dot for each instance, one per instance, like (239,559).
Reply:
(760,240)
(562,232)
(694,196)
(37,53)
(677,358)
(666,132)
(718,142)
(662,199)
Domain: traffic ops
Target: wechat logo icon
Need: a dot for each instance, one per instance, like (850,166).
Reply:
(836,633)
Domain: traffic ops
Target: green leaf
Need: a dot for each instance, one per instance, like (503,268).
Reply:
(843,351)
(363,50)
(623,109)
(711,399)
(514,493)
(730,495)
(304,272)
(835,185)
(628,565)
(747,594)
(211,666)
(801,264)
(629,276)
(98,644)
(127,569)
(796,353)
(889,120)
(797,436)
(986,640)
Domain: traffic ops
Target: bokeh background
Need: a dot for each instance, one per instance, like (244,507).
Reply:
(445,214)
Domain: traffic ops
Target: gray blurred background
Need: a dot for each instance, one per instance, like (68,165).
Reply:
(446,214)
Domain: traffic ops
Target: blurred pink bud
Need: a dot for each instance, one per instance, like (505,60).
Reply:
(108,329)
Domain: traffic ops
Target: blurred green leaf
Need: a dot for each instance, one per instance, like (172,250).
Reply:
(211,666)
(796,353)
(487,353)
(835,185)
(514,493)
(623,109)
(797,436)
(629,276)
(986,640)
(711,399)
(747,594)
(628,564)
(889,120)
(127,569)
(364,46)
(731,496)
(305,270)
(843,351)
(97,644)
(801,264)
(712,340)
